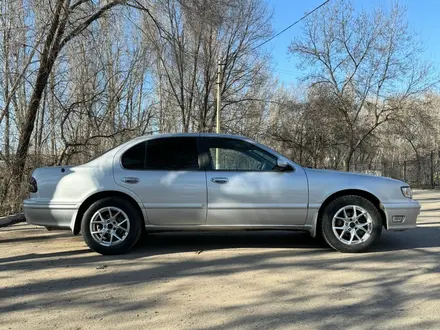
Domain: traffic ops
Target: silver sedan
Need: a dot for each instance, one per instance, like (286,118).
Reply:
(213,182)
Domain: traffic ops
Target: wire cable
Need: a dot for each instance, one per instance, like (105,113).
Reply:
(291,25)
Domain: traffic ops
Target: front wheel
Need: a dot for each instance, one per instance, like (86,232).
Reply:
(351,224)
(111,226)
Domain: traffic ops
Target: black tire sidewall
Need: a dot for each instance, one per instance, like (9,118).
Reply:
(336,205)
(133,234)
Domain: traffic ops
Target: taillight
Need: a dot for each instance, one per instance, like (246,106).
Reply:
(33,185)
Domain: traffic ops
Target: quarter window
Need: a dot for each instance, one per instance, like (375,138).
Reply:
(134,158)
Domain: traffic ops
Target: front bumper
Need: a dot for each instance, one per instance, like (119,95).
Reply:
(402,215)
(51,215)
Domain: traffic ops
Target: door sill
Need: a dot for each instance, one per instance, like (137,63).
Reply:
(224,227)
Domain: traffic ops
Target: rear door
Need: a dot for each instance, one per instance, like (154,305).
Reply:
(245,187)
(165,174)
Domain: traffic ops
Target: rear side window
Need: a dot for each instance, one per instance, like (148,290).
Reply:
(178,153)
(134,158)
(172,154)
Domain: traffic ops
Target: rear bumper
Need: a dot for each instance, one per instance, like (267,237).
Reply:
(401,216)
(49,215)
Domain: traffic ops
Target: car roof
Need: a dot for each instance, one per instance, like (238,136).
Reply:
(165,135)
(195,134)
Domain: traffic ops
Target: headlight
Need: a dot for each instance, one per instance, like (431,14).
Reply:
(407,192)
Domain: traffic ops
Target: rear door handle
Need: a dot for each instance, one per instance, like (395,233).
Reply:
(131,180)
(220,180)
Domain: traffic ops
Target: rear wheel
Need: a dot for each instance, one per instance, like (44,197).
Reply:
(111,226)
(351,224)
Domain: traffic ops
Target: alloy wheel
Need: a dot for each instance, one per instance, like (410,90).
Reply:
(109,226)
(352,225)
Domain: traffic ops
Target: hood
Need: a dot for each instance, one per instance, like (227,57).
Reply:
(351,175)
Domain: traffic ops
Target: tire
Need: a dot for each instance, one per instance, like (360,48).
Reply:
(143,236)
(120,233)
(345,234)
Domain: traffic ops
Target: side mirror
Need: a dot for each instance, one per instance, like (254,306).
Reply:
(283,166)
(281,163)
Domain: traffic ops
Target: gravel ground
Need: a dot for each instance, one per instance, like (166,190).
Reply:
(258,280)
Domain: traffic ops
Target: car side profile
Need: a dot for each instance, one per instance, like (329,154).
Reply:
(198,181)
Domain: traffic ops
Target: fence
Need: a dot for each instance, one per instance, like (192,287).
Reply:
(422,172)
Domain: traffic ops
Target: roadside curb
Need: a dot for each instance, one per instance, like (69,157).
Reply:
(12,219)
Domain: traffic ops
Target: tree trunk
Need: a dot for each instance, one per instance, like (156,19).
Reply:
(52,119)
(348,161)
(48,57)
(7,138)
(6,110)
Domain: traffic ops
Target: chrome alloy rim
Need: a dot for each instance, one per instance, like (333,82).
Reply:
(352,225)
(109,226)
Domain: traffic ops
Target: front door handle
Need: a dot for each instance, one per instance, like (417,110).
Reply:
(220,180)
(131,180)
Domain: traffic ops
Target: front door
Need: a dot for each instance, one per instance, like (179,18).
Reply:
(245,188)
(165,174)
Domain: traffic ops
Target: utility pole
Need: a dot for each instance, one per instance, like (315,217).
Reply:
(219,91)
(432,170)
(219,104)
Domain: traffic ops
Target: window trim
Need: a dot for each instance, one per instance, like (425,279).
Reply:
(204,161)
(163,170)
(209,166)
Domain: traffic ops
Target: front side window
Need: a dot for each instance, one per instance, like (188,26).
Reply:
(237,155)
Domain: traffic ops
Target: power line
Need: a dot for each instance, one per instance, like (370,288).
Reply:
(291,25)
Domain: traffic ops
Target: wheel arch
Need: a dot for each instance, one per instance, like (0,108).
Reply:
(97,196)
(358,192)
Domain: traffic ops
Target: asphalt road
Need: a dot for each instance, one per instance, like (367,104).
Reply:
(258,280)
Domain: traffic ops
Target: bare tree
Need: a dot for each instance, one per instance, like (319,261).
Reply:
(370,61)
(60,31)
(36,36)
(194,36)
(307,129)
(417,125)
